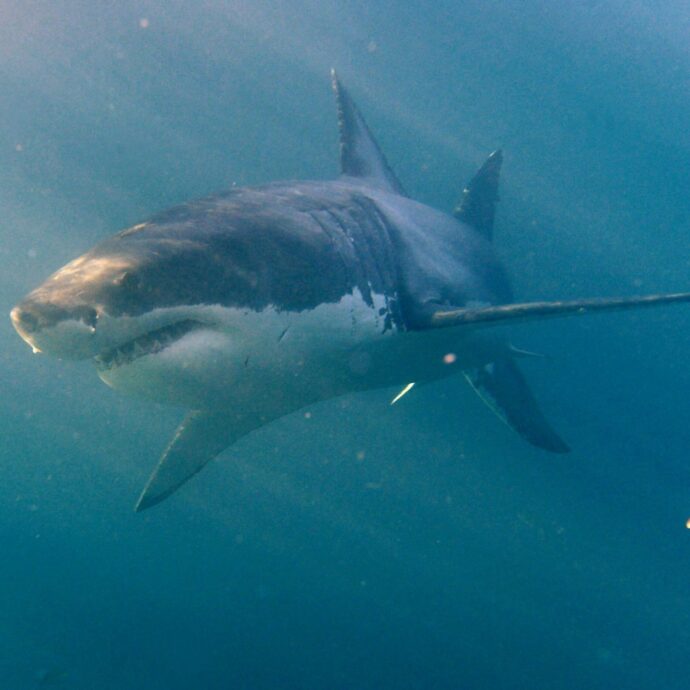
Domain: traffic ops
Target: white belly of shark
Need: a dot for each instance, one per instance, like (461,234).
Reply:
(280,359)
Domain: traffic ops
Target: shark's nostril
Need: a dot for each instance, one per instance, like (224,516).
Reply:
(27,321)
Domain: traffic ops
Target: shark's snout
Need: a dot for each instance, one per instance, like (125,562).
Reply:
(32,317)
(24,321)
(48,327)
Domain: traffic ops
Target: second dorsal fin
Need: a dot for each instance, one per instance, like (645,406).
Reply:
(360,155)
(477,206)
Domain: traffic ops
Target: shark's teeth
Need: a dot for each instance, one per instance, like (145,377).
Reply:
(147,344)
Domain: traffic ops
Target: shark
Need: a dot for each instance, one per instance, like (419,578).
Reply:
(249,305)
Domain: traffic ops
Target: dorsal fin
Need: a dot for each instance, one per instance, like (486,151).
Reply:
(478,203)
(360,155)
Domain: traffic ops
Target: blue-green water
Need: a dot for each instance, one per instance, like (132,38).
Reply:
(420,546)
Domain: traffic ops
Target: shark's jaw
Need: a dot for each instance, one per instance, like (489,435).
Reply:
(109,340)
(150,343)
(175,355)
(187,362)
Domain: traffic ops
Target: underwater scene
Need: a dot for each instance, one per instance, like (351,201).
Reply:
(239,446)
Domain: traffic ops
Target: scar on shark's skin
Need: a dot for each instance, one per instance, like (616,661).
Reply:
(375,290)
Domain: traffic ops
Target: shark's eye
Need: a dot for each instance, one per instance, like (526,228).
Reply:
(88,315)
(127,280)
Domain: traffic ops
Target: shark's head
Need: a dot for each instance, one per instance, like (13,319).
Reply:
(73,313)
(144,281)
(199,295)
(155,301)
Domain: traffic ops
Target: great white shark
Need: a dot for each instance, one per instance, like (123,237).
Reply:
(251,304)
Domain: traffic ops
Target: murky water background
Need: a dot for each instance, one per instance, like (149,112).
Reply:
(420,546)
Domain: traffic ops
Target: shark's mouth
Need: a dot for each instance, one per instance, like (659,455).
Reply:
(147,344)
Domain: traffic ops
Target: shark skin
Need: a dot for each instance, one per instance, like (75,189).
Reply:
(254,303)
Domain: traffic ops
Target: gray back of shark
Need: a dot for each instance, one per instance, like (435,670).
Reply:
(249,305)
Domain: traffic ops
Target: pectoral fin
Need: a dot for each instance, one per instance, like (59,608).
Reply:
(503,388)
(200,437)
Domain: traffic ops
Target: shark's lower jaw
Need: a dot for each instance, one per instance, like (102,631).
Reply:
(150,343)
